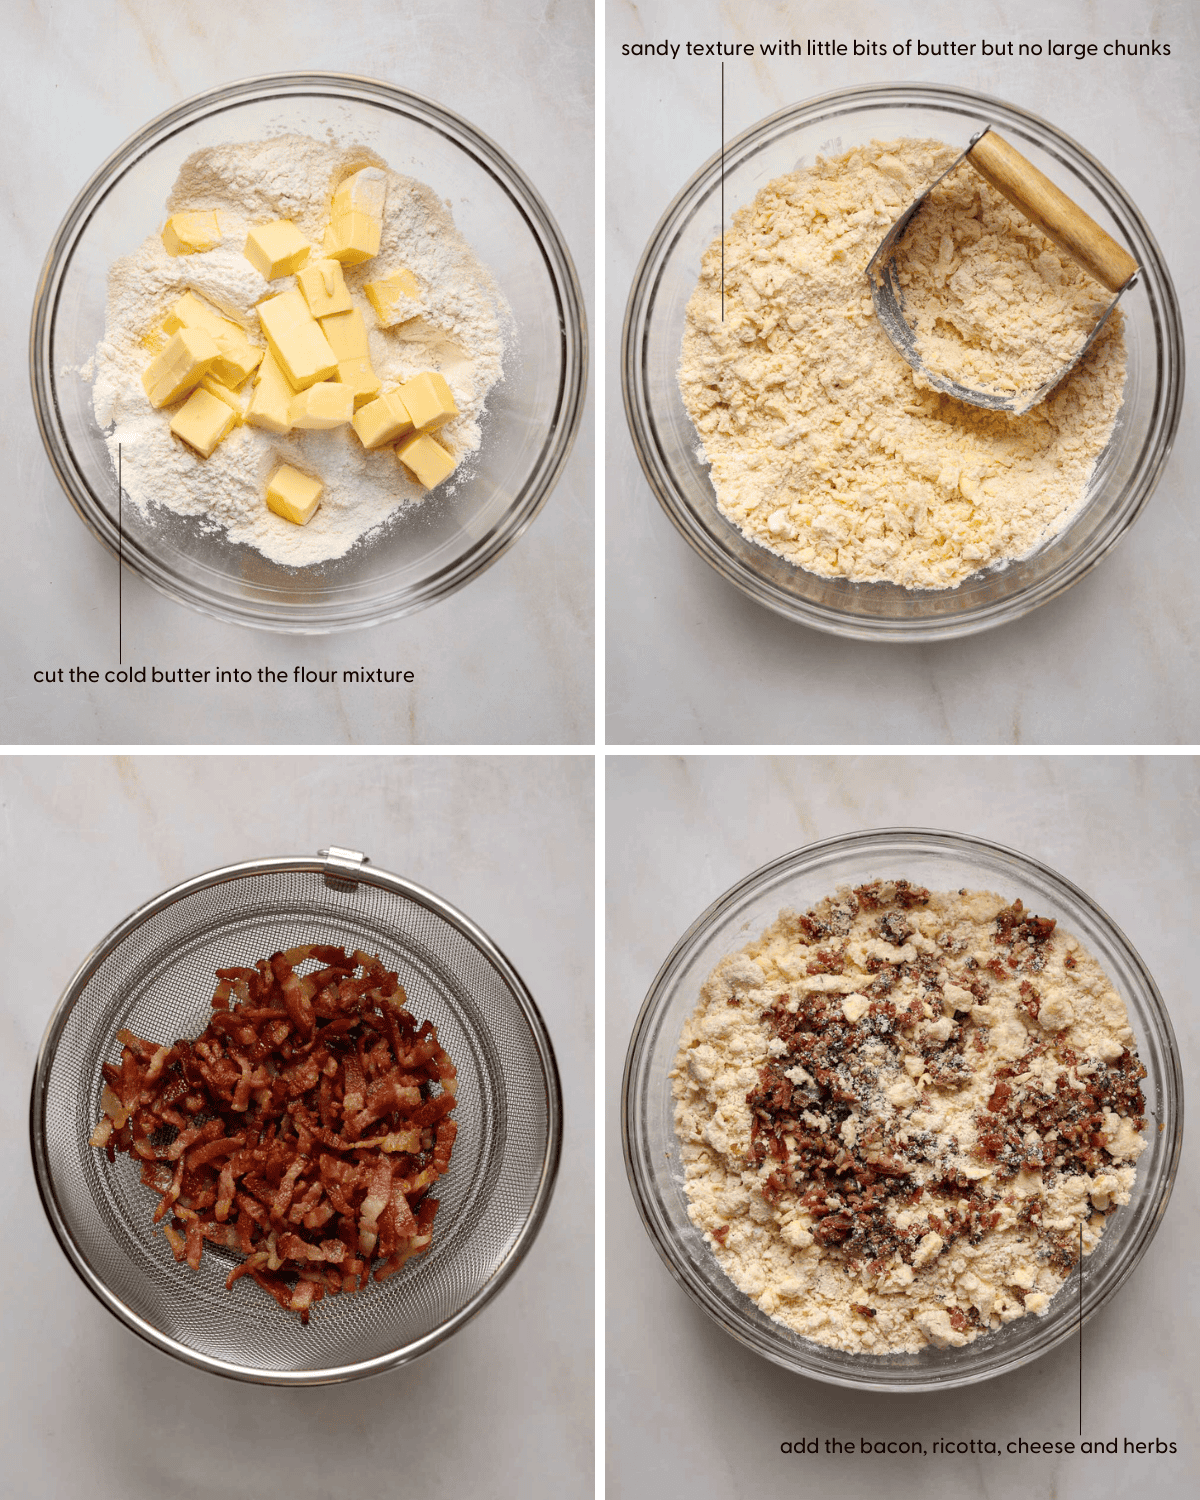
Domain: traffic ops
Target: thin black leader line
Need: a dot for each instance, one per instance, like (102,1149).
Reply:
(722,192)
(1081,1328)
(120,565)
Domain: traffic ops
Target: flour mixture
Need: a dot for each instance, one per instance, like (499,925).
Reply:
(821,442)
(898,1110)
(435,313)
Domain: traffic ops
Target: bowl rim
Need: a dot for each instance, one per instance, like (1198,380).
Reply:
(642,426)
(573,336)
(958,845)
(333,869)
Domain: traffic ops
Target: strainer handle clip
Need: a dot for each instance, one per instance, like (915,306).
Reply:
(342,867)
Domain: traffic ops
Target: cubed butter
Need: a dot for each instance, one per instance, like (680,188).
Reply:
(276,249)
(182,365)
(425,458)
(358,376)
(326,404)
(222,392)
(238,356)
(356,217)
(296,340)
(191,233)
(395,298)
(202,421)
(293,495)
(429,401)
(271,401)
(382,421)
(324,287)
(347,335)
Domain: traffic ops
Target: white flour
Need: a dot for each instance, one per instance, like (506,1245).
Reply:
(897,1112)
(460,333)
(822,445)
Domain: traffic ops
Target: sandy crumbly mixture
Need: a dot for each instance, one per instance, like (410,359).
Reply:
(822,443)
(993,304)
(896,1111)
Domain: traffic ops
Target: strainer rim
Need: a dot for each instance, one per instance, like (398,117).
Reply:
(336,869)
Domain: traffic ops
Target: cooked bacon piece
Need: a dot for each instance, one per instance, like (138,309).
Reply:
(254,1135)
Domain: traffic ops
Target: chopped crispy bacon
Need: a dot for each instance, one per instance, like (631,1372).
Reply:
(255,1136)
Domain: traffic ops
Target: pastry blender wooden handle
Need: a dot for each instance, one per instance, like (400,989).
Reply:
(1059,219)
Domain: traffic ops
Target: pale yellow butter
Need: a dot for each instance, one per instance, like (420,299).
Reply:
(296,339)
(347,335)
(425,458)
(191,233)
(359,377)
(356,217)
(429,401)
(188,357)
(324,288)
(382,421)
(329,403)
(202,422)
(395,298)
(293,495)
(271,400)
(232,400)
(276,249)
(238,357)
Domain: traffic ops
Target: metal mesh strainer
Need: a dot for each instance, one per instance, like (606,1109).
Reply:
(154,974)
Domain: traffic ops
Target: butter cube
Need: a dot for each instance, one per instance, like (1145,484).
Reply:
(429,401)
(356,217)
(324,288)
(347,335)
(271,401)
(276,249)
(293,495)
(395,298)
(427,459)
(358,376)
(202,421)
(222,392)
(296,340)
(190,233)
(382,421)
(186,360)
(238,356)
(326,404)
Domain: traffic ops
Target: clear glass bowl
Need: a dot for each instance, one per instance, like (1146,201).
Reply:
(667,444)
(940,861)
(532,415)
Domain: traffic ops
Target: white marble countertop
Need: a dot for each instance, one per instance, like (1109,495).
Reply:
(509,658)
(505,1406)
(690,1411)
(689,658)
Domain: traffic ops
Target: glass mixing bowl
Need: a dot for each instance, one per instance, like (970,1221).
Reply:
(667,444)
(939,861)
(532,415)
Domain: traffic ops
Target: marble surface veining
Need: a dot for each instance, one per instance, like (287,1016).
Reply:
(692,660)
(690,1411)
(509,658)
(505,1406)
